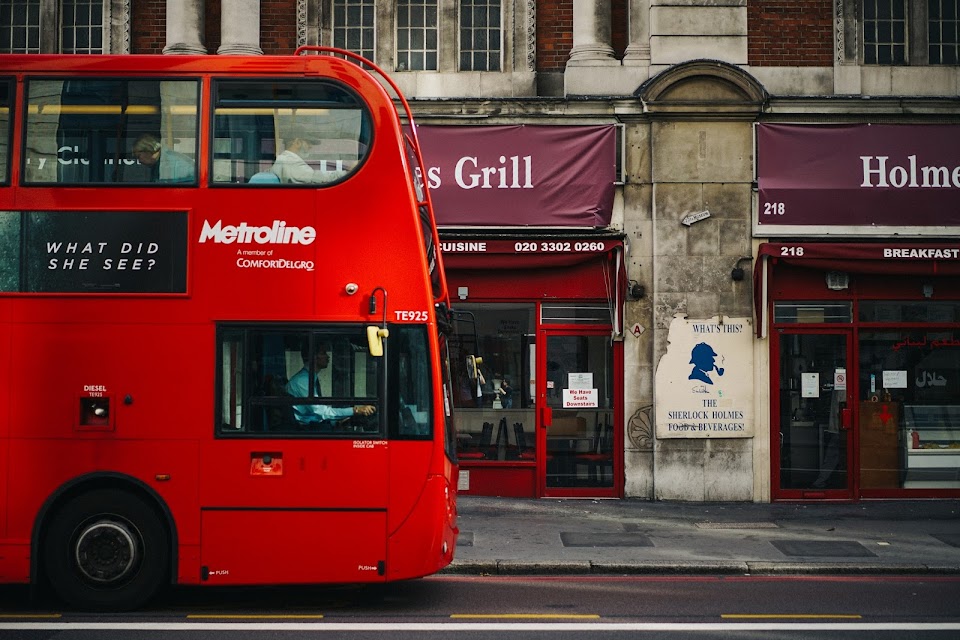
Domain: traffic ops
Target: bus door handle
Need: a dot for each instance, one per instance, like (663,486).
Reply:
(546,417)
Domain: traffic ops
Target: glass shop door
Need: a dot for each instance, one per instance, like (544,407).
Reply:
(580,444)
(812,416)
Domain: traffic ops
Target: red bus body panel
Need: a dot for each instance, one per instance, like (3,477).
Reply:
(341,510)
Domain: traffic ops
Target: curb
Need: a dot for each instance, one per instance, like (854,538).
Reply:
(586,567)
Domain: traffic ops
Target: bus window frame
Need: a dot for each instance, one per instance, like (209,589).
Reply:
(196,80)
(387,399)
(7,165)
(367,123)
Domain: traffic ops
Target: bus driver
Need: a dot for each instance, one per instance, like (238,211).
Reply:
(299,387)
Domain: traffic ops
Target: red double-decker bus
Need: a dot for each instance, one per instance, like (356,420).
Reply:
(222,328)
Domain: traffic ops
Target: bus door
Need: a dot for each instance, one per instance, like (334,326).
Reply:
(577,414)
(812,415)
(295,492)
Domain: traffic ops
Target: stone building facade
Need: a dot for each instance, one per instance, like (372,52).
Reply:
(686,84)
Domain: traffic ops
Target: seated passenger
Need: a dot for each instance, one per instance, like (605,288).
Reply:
(165,165)
(290,165)
(299,387)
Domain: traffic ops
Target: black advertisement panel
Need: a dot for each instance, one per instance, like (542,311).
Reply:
(103,252)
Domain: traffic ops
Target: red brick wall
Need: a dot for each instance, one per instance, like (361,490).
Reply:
(278,26)
(211,25)
(620,27)
(554,34)
(148,31)
(793,33)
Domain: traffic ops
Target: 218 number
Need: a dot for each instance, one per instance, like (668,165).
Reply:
(774,209)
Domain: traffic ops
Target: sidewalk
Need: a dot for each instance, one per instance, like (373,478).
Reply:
(568,536)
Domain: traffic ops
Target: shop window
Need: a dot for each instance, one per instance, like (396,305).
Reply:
(896,311)
(909,383)
(499,396)
(575,314)
(812,312)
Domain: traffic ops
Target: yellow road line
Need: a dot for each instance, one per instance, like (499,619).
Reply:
(253,616)
(525,616)
(784,616)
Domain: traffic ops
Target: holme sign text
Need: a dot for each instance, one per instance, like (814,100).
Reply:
(876,173)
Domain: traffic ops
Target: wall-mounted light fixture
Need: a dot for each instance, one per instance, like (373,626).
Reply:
(738,274)
(635,290)
(838,280)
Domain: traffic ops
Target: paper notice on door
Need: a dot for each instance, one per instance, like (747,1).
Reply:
(809,385)
(894,379)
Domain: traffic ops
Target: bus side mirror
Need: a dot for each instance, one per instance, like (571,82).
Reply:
(375,336)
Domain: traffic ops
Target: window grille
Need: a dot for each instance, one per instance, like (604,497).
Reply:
(81,26)
(354,27)
(20,26)
(884,31)
(480,35)
(944,30)
(417,35)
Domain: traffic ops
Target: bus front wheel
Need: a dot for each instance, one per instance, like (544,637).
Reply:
(106,550)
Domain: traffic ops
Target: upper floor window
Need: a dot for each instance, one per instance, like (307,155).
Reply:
(909,32)
(884,31)
(480,30)
(417,31)
(944,32)
(354,26)
(22,29)
(81,26)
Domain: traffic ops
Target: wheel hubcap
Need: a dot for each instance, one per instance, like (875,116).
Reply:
(106,551)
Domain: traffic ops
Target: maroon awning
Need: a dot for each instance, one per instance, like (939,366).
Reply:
(530,266)
(891,258)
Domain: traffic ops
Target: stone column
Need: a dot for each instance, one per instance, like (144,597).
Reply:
(591,34)
(240,28)
(638,50)
(185,27)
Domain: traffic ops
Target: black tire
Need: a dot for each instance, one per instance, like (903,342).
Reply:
(106,550)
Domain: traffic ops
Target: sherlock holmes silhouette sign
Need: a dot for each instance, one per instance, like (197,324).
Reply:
(705,380)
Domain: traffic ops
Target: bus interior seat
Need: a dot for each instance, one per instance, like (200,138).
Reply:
(264,177)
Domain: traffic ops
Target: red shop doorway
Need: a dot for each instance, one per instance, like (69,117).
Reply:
(548,311)
(865,368)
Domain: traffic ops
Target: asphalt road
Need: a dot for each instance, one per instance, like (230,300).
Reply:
(528,607)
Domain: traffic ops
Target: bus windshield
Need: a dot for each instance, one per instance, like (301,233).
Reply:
(323,381)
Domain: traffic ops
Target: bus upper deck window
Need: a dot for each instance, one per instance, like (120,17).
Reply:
(106,130)
(297,133)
